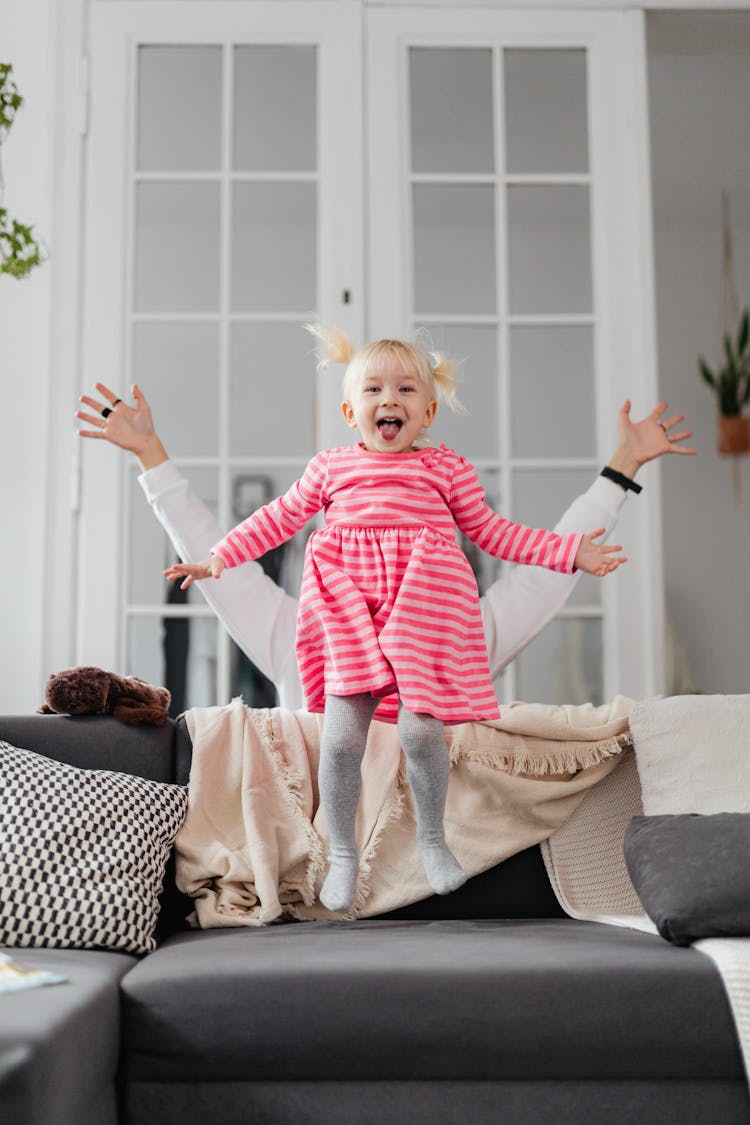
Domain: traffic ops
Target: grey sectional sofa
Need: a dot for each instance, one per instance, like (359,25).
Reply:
(445,1011)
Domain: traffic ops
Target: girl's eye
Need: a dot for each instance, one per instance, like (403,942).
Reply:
(372,389)
(407,388)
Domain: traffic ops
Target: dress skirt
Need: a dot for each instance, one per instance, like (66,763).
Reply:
(393,612)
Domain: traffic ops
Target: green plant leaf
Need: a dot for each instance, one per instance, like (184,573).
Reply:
(731,382)
(706,372)
(10,99)
(728,351)
(744,332)
(19,249)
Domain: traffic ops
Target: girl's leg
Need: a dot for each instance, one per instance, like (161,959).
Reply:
(345,726)
(428,769)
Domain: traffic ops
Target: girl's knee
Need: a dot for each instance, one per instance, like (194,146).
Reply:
(421,735)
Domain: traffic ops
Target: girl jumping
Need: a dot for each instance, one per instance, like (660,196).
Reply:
(389,624)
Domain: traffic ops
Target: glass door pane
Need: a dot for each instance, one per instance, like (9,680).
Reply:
(563,664)
(499,207)
(269,369)
(476,346)
(178,108)
(177,246)
(178,363)
(552,365)
(225,234)
(284,139)
(546,110)
(549,249)
(454,259)
(451,110)
(273,248)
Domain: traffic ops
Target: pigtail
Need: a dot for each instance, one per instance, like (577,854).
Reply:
(445,377)
(337,347)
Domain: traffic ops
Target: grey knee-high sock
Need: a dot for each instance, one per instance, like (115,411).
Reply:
(345,726)
(428,770)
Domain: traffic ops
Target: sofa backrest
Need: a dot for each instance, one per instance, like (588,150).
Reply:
(517,888)
(97,742)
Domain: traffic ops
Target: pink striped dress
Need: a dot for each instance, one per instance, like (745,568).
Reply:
(389,604)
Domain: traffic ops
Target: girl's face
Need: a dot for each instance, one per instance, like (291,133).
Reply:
(390,409)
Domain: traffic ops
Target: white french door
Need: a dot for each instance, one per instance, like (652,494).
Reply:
(224,212)
(509,218)
(500,203)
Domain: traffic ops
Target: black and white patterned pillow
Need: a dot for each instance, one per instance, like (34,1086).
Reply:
(82,853)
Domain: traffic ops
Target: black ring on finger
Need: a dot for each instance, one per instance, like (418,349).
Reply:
(106,412)
(116,401)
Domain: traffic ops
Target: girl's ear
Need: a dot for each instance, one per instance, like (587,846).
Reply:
(429,415)
(346,410)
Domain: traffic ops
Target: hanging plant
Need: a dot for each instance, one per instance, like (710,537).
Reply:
(10,99)
(19,249)
(731,381)
(731,385)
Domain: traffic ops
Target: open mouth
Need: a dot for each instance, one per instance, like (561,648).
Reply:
(389,427)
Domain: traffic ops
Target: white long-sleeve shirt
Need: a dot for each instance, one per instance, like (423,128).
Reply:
(261,617)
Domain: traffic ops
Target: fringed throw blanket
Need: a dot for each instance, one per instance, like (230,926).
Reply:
(254,844)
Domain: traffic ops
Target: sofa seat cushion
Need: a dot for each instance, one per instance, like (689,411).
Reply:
(59,1044)
(395,1000)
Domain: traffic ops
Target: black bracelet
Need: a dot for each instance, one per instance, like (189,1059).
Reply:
(620,478)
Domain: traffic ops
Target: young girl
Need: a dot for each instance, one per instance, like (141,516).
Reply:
(389,623)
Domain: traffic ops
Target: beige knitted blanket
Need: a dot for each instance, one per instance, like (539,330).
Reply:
(254,843)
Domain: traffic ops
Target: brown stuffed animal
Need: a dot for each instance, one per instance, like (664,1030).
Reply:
(92,691)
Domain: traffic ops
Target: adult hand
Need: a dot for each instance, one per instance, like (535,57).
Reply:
(128,427)
(651,437)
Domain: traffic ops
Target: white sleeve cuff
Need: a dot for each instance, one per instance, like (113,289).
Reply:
(159,480)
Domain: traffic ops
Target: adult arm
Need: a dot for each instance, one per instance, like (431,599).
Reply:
(259,616)
(518,605)
(262,618)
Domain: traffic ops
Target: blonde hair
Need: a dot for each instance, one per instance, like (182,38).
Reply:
(437,372)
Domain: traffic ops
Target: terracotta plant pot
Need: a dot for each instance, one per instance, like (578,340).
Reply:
(734,434)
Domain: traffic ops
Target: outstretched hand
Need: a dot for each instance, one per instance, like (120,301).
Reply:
(651,437)
(193,572)
(129,427)
(597,558)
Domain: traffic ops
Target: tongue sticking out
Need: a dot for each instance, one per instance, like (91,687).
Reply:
(389,430)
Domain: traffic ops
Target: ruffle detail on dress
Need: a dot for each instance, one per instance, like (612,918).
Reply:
(433,455)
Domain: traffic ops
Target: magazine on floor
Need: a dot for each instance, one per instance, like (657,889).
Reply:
(14,975)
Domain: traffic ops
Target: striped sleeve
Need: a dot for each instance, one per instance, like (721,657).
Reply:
(278,521)
(502,538)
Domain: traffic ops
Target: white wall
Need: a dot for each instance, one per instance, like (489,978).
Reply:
(699,77)
(27,40)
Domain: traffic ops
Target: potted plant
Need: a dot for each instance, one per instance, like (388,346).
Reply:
(731,384)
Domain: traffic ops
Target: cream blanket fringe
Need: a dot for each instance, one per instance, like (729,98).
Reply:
(253,846)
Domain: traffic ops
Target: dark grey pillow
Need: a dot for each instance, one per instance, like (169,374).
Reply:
(692,874)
